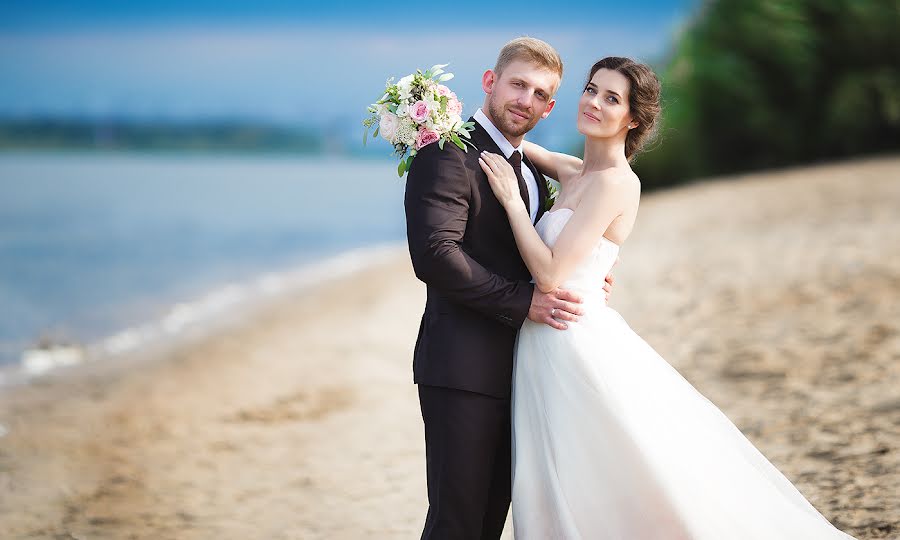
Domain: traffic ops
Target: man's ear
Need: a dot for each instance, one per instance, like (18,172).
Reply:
(549,108)
(488,80)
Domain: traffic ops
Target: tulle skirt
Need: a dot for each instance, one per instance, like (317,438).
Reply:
(610,442)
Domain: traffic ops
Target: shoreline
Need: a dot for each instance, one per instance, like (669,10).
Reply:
(195,318)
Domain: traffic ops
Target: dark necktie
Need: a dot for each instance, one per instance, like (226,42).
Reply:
(516,161)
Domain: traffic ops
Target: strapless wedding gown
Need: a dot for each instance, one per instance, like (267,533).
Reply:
(610,442)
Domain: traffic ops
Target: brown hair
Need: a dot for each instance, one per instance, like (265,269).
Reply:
(643,99)
(531,50)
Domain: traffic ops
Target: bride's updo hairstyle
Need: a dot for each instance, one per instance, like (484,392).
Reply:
(643,99)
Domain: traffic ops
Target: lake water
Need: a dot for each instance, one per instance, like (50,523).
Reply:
(92,244)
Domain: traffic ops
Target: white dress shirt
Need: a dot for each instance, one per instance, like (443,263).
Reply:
(507,148)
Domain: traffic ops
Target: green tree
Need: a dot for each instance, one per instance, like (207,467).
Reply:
(769,83)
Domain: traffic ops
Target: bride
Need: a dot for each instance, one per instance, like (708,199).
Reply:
(609,441)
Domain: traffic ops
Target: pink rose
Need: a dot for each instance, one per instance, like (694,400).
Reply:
(426,137)
(419,111)
(443,90)
(454,105)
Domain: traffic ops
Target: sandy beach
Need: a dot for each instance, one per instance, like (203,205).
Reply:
(776,294)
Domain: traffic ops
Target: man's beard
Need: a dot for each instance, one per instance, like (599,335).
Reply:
(505,127)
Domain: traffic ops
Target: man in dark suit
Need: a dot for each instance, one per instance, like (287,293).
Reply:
(479,294)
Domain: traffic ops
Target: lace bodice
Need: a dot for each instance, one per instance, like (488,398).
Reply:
(588,277)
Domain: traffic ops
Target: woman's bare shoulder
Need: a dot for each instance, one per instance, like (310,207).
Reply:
(618,180)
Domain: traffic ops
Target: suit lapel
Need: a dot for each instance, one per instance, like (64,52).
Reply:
(483,141)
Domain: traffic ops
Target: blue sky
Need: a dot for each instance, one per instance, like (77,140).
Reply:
(290,62)
(38,14)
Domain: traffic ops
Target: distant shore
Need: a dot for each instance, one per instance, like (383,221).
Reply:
(119,133)
(774,294)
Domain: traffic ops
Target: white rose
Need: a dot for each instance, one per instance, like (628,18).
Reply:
(433,104)
(387,128)
(455,122)
(404,86)
(438,123)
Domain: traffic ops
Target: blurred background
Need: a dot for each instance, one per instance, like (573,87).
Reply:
(151,152)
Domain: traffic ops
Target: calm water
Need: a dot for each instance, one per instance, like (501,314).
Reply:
(94,243)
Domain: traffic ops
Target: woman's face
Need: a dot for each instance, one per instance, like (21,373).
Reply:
(603,108)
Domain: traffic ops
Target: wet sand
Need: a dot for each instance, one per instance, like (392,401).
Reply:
(776,294)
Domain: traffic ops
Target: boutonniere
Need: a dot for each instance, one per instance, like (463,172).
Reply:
(553,190)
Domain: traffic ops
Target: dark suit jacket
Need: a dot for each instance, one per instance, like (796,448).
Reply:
(462,247)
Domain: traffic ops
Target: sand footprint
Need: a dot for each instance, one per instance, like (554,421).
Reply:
(303,405)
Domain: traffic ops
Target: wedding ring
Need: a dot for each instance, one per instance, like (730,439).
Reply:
(553,312)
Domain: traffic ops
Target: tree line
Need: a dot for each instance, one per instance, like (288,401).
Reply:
(768,83)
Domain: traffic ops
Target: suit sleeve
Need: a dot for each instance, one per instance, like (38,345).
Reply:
(438,193)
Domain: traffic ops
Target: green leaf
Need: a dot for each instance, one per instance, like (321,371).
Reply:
(437,67)
(365,136)
(456,140)
(441,142)
(376,131)
(445,77)
(552,194)
(401,168)
(465,134)
(409,161)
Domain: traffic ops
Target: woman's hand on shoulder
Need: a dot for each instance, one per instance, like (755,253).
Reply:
(502,179)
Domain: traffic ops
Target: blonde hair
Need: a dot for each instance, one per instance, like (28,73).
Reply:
(531,50)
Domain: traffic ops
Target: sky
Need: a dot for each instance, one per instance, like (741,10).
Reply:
(290,62)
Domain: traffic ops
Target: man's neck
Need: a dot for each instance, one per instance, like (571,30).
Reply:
(514,141)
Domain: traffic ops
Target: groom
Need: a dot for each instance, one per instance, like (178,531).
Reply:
(479,294)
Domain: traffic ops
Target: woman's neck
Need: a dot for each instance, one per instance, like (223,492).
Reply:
(602,154)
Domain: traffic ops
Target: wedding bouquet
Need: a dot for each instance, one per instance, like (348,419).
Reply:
(416,111)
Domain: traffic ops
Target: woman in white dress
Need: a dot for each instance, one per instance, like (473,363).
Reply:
(609,441)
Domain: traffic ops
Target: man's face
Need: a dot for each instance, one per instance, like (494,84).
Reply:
(519,97)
